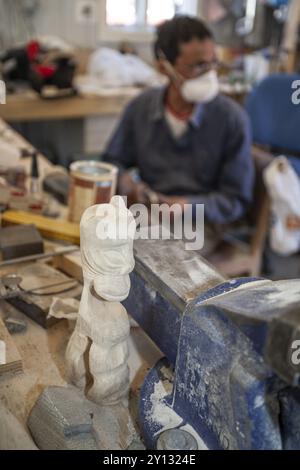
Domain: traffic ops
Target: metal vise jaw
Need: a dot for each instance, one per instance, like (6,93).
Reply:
(231,375)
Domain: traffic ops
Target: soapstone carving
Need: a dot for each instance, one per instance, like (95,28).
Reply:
(98,349)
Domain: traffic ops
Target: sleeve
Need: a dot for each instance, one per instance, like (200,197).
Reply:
(120,150)
(235,189)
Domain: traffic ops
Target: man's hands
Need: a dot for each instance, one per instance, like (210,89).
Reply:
(293,222)
(139,192)
(171,200)
(135,191)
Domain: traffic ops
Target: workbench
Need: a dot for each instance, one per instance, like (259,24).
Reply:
(42,351)
(28,107)
(228,378)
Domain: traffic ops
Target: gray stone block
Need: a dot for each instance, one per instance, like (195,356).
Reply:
(61,420)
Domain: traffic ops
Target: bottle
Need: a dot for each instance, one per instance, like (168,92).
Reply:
(34,174)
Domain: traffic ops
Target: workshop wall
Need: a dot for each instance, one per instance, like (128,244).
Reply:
(17,26)
(27,18)
(57,17)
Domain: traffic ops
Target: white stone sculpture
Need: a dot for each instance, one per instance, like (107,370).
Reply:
(99,345)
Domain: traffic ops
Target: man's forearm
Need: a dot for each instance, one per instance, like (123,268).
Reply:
(220,208)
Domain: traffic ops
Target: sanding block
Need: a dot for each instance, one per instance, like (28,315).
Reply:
(22,240)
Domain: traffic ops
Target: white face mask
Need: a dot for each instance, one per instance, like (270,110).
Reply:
(201,89)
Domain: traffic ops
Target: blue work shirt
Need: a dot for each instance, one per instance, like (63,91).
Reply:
(211,163)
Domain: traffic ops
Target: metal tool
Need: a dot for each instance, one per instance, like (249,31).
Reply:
(34,174)
(11,281)
(228,377)
(11,284)
(175,439)
(26,259)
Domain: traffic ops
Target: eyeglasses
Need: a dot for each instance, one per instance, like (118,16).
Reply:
(200,69)
(195,70)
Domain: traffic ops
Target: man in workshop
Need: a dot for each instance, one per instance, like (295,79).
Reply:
(189,144)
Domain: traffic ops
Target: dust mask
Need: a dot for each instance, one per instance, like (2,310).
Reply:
(201,89)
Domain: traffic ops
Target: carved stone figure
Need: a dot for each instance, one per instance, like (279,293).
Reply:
(98,349)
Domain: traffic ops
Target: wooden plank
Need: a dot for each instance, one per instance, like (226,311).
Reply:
(13,359)
(29,107)
(49,228)
(70,264)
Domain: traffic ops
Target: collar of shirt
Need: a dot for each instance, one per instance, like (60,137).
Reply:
(158,109)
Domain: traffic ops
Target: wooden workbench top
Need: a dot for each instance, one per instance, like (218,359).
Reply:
(28,106)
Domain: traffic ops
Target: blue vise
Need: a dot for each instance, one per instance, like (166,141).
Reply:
(231,372)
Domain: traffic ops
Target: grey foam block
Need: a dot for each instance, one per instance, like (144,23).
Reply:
(60,420)
(20,240)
